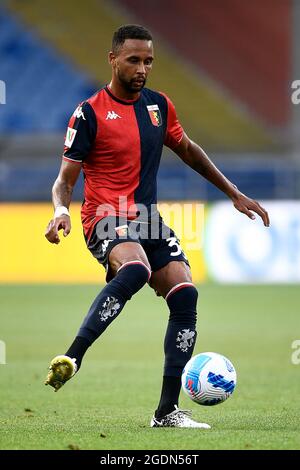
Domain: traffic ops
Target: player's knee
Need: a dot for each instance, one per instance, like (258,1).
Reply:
(137,266)
(184,290)
(124,253)
(182,301)
(132,276)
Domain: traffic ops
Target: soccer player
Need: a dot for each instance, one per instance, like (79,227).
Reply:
(116,137)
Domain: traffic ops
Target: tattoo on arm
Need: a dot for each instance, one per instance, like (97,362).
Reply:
(61,193)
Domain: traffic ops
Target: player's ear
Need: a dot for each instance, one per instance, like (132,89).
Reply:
(111,58)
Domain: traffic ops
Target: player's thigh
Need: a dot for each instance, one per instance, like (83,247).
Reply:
(169,276)
(124,252)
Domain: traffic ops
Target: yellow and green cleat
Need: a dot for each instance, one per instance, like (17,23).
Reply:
(61,369)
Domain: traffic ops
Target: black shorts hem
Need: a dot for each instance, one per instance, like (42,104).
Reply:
(165,262)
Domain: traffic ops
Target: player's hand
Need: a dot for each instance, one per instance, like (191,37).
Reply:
(245,205)
(59,223)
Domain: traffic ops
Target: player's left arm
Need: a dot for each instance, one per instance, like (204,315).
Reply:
(195,157)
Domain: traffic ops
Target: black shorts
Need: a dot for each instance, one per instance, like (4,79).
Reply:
(158,241)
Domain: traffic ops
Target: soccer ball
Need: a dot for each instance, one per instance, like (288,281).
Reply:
(208,378)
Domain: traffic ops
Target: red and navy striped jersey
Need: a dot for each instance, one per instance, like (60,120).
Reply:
(119,144)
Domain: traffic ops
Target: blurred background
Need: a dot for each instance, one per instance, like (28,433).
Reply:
(228,65)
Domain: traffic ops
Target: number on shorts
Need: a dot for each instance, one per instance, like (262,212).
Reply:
(172,241)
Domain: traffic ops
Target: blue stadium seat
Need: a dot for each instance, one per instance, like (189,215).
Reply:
(42,87)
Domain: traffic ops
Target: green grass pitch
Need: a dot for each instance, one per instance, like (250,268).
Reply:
(109,404)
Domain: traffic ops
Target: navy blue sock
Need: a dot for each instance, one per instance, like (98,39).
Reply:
(109,303)
(77,349)
(181,333)
(179,343)
(169,396)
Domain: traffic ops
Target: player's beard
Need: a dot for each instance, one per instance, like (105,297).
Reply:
(130,85)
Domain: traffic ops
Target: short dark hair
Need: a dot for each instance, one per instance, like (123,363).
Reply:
(129,31)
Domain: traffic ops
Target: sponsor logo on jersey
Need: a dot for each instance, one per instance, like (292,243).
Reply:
(155,116)
(78,113)
(112,115)
(70,136)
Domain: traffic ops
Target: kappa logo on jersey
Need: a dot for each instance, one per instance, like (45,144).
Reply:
(78,113)
(155,116)
(112,115)
(70,136)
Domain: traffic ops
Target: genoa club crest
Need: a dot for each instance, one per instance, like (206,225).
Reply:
(155,116)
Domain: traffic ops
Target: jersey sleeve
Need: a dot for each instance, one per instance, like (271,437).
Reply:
(174,131)
(81,133)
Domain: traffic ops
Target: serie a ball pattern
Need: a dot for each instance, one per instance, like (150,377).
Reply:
(209,378)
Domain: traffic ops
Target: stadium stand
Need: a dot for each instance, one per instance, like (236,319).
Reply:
(83,32)
(42,86)
(243,46)
(54,54)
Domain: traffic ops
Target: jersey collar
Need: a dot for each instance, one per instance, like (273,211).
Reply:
(119,100)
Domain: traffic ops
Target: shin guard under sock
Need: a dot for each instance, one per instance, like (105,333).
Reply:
(130,278)
(179,342)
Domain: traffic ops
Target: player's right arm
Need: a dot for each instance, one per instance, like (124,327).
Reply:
(61,197)
(80,136)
